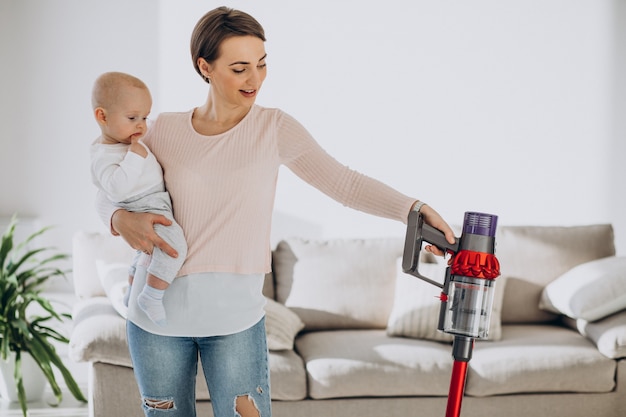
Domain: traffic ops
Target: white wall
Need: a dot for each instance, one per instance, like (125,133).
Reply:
(51,52)
(514,108)
(617,188)
(504,107)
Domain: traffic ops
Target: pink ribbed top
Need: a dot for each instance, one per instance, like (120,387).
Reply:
(223,186)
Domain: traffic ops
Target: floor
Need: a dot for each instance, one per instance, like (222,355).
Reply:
(69,407)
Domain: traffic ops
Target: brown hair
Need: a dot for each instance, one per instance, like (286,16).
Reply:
(216,26)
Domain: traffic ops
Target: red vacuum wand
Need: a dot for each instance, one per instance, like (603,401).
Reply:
(467,291)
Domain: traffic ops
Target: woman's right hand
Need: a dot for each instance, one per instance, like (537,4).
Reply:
(137,229)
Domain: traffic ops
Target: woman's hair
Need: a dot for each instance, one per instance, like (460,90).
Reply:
(216,26)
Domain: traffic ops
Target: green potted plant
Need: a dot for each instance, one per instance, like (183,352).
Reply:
(23,273)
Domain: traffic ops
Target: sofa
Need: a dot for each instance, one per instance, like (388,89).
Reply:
(349,334)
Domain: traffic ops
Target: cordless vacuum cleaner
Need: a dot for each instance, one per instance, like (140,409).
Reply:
(467,291)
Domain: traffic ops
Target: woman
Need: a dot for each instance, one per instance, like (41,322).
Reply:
(220,163)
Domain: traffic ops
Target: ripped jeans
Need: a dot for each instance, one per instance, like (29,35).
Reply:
(235,367)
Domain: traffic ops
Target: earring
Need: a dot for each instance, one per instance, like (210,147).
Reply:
(206,78)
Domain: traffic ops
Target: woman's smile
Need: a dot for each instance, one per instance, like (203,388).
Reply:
(248,93)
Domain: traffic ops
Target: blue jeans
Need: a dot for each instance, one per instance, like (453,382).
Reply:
(235,367)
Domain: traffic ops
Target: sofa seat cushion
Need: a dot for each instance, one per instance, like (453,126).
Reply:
(358,363)
(538,358)
(287,376)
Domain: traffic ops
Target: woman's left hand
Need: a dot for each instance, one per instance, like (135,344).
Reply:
(432,218)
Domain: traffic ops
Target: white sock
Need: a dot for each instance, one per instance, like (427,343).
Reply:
(150,300)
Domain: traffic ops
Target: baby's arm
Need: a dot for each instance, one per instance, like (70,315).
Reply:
(137,148)
(117,171)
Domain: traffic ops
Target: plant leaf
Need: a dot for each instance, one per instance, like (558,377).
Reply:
(23,274)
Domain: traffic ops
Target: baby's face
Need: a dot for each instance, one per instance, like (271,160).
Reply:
(126,119)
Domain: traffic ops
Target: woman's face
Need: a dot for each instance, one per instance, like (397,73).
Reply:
(237,75)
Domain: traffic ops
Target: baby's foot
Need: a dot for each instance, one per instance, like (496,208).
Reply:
(150,300)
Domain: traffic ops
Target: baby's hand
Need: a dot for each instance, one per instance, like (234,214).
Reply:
(137,147)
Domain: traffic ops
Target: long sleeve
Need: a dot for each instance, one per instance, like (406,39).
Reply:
(105,210)
(223,186)
(118,178)
(304,156)
(123,175)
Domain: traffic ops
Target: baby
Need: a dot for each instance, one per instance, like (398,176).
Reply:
(130,176)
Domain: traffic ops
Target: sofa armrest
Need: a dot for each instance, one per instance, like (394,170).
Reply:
(99,333)
(608,334)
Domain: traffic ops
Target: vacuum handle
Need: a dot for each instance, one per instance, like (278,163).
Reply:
(417,233)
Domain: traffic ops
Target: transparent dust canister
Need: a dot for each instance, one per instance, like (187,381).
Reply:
(469,305)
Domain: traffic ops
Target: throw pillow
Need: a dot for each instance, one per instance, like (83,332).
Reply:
(416,306)
(87,249)
(533,256)
(281,325)
(589,291)
(114,279)
(337,283)
(609,334)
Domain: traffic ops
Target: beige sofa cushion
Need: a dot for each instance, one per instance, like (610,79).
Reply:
(529,358)
(533,256)
(357,363)
(287,376)
(538,358)
(416,305)
(337,284)
(281,326)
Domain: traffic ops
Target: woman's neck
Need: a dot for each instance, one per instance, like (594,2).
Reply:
(213,119)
